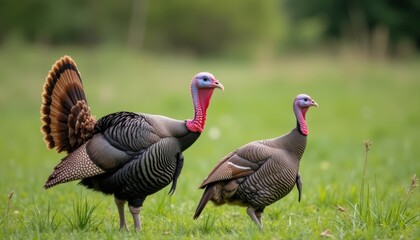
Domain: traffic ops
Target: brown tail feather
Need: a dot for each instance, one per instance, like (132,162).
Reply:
(65,114)
(207,195)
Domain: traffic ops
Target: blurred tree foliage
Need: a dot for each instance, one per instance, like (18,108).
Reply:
(398,20)
(64,22)
(203,27)
(199,27)
(210,26)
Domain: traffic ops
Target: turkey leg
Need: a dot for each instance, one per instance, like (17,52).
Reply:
(120,205)
(255,216)
(299,185)
(135,211)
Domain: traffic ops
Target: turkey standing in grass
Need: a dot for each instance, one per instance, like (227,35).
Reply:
(129,155)
(261,172)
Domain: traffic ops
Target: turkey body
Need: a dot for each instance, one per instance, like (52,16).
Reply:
(129,155)
(261,172)
(140,155)
(278,171)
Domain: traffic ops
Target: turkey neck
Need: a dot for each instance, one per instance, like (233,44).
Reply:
(295,141)
(300,113)
(201,100)
(299,134)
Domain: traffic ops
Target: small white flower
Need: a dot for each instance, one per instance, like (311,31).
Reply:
(214,133)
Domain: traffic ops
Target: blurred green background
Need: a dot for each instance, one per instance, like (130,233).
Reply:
(358,59)
(214,27)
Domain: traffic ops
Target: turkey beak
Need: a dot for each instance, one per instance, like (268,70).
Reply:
(314,104)
(218,85)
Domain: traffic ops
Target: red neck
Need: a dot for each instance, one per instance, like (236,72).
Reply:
(301,119)
(201,101)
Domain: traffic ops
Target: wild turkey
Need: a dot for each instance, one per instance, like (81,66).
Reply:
(129,155)
(261,172)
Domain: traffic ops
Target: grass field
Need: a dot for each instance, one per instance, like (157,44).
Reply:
(359,100)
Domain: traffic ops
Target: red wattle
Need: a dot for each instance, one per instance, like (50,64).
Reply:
(200,110)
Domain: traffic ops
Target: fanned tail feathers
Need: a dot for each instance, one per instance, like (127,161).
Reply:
(207,195)
(65,114)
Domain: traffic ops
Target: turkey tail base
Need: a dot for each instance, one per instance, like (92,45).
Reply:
(76,165)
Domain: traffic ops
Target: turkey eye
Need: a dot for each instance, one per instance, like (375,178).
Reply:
(205,79)
(305,99)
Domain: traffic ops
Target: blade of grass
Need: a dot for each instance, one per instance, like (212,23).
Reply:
(83,215)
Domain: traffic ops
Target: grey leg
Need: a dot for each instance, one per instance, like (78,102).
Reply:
(299,185)
(255,216)
(120,205)
(135,211)
(259,215)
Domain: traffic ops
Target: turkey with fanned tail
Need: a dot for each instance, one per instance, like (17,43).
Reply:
(130,155)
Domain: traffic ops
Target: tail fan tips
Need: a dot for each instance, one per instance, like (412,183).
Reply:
(65,114)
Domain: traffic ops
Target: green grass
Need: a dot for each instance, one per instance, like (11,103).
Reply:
(375,211)
(359,99)
(83,215)
(44,221)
